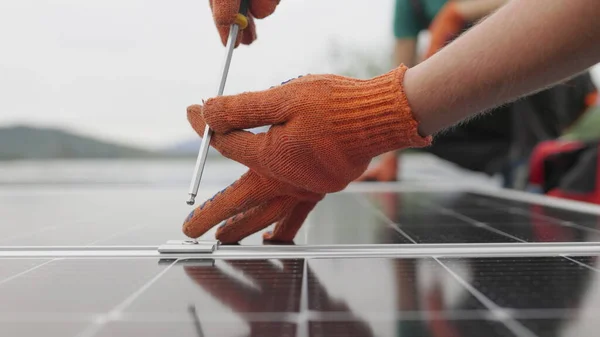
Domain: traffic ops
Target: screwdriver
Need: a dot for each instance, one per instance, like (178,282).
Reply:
(240,22)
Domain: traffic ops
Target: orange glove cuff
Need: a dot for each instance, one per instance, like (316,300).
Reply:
(375,116)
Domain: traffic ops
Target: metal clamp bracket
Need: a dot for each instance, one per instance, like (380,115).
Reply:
(188,246)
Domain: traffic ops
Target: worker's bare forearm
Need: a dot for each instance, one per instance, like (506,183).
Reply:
(524,47)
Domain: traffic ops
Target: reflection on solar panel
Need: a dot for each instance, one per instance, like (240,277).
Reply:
(381,262)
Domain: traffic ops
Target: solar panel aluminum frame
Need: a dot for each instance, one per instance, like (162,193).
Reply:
(322,251)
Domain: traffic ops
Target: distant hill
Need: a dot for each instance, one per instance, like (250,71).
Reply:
(23,142)
(189,148)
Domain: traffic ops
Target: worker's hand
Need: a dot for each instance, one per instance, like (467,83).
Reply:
(446,26)
(325,129)
(251,204)
(226,11)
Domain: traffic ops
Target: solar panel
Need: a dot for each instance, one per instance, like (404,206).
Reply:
(473,218)
(12,268)
(410,328)
(86,218)
(354,269)
(242,286)
(150,329)
(28,328)
(125,297)
(75,286)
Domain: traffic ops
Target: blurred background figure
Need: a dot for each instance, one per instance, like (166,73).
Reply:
(500,142)
(569,167)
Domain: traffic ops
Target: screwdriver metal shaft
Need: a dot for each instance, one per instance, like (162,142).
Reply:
(201,160)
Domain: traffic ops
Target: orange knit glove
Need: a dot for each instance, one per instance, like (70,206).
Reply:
(225,11)
(448,24)
(325,129)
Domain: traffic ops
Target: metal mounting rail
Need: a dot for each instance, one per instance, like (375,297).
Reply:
(212,250)
(75,248)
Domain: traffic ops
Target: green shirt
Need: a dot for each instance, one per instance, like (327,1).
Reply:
(409,21)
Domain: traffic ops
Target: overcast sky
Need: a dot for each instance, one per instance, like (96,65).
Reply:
(125,70)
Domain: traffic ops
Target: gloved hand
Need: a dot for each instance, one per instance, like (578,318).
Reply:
(385,170)
(225,12)
(446,26)
(325,129)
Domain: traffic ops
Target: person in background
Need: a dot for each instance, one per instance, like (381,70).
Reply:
(445,20)
(502,141)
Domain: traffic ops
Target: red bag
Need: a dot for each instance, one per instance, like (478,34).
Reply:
(566,169)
